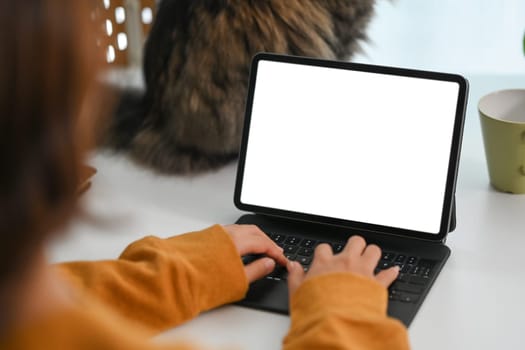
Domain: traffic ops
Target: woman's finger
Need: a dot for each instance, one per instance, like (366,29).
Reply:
(386,277)
(256,244)
(323,251)
(371,255)
(295,276)
(259,268)
(355,246)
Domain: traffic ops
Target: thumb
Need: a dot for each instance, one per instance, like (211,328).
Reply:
(386,277)
(295,276)
(259,268)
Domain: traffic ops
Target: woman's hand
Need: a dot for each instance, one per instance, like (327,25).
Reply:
(357,257)
(249,239)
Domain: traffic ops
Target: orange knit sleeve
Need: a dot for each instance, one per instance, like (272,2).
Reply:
(343,311)
(164,282)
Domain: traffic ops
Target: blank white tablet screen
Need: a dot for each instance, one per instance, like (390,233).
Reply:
(351,145)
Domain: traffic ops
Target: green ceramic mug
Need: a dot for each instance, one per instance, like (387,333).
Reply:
(502,115)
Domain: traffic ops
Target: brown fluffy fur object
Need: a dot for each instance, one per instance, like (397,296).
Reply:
(196,68)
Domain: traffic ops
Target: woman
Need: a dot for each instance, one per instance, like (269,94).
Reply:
(46,93)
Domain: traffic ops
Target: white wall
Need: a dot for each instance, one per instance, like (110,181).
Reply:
(463,36)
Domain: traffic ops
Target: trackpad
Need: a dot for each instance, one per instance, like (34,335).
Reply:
(267,294)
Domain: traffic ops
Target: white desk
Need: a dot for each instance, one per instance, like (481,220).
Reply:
(476,303)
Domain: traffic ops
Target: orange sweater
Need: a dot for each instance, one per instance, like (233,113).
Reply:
(157,284)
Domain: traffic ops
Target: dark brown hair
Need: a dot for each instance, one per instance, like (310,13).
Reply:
(47,65)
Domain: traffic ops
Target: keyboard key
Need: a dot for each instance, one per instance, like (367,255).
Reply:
(400,258)
(411,260)
(416,270)
(305,251)
(290,249)
(290,257)
(304,260)
(418,280)
(403,297)
(407,287)
(384,265)
(292,240)
(406,268)
(387,256)
(277,238)
(426,263)
(426,272)
(308,243)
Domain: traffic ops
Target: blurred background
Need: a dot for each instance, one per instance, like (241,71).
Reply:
(467,36)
